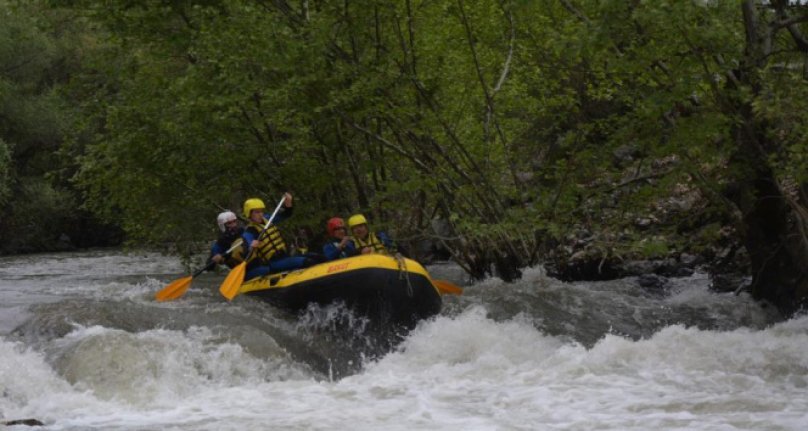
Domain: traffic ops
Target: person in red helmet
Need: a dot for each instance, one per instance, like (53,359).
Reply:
(339,244)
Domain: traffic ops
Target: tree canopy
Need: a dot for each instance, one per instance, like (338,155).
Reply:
(499,129)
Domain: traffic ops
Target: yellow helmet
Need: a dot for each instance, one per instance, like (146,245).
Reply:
(356,220)
(252,204)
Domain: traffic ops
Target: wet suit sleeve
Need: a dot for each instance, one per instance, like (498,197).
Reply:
(391,245)
(216,249)
(388,243)
(282,215)
(330,251)
(248,238)
(350,249)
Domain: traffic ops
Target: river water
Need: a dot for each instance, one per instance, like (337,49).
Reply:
(83,346)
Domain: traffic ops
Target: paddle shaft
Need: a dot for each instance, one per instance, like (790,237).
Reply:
(211,264)
(203,269)
(178,288)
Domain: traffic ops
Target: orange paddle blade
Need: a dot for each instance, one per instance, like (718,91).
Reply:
(174,290)
(446,287)
(231,284)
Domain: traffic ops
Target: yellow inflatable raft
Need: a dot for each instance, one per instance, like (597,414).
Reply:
(380,287)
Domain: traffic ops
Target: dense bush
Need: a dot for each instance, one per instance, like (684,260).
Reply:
(515,126)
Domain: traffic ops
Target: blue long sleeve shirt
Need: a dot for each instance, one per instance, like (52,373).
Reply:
(332,252)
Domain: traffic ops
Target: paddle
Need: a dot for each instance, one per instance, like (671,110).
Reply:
(230,285)
(446,287)
(178,287)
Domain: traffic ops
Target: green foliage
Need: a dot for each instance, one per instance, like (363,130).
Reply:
(783,103)
(653,248)
(5,172)
(38,53)
(517,122)
(29,110)
(38,214)
(709,234)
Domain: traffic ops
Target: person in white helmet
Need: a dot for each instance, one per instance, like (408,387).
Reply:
(230,231)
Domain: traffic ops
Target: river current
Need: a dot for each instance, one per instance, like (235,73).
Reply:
(84,346)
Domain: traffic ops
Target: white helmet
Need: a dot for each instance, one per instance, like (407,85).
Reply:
(225,217)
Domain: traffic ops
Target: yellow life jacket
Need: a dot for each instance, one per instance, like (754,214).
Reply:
(371,241)
(269,243)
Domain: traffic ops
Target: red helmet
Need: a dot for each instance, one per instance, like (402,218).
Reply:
(334,223)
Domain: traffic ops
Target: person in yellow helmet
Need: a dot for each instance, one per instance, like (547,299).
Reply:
(367,241)
(271,253)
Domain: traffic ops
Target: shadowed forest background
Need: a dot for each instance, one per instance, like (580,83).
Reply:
(579,134)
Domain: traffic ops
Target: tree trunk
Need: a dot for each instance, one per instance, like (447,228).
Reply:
(773,226)
(771,232)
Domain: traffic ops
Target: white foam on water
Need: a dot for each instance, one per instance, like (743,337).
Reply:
(507,375)
(462,372)
(88,264)
(97,375)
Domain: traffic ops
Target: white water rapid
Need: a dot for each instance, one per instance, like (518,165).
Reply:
(83,346)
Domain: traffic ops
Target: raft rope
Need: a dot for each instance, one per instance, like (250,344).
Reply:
(403,273)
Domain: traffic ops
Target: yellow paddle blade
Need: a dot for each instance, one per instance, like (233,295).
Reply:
(174,290)
(446,287)
(231,284)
